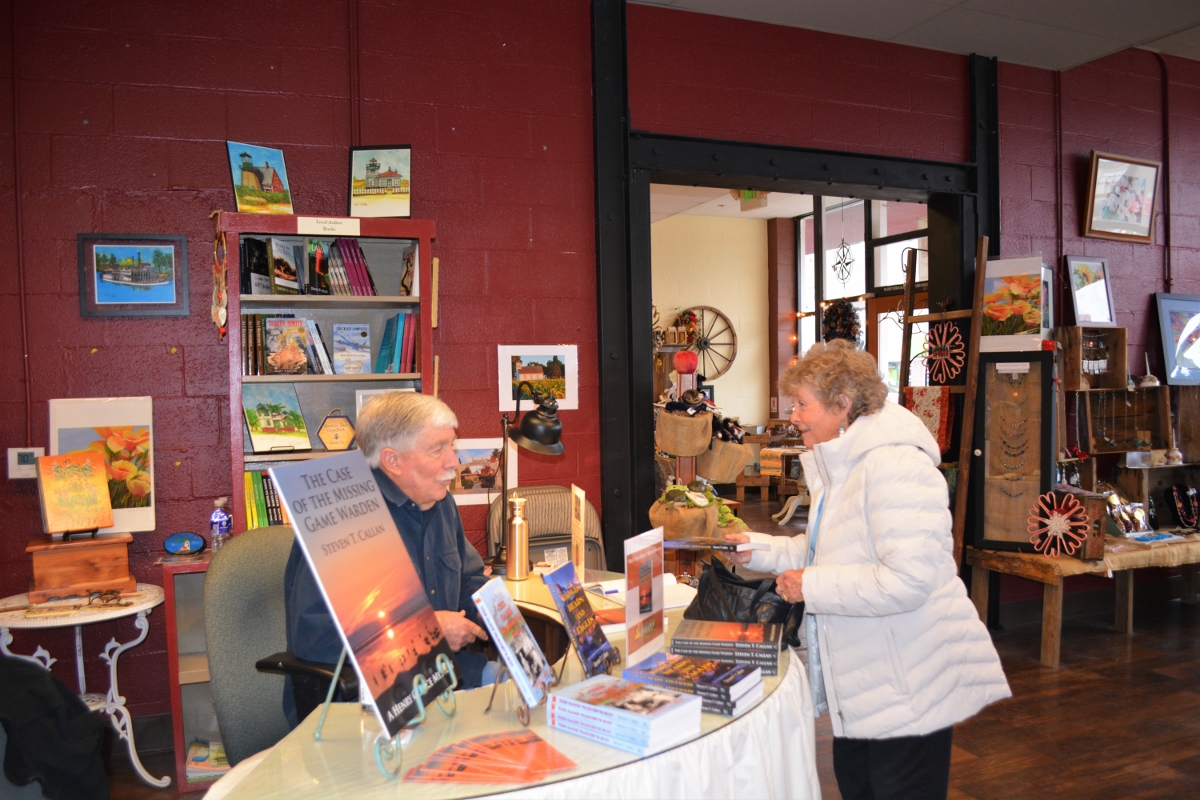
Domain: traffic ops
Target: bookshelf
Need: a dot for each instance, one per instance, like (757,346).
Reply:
(383,242)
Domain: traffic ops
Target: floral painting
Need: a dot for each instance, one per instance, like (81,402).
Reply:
(1012,304)
(126,453)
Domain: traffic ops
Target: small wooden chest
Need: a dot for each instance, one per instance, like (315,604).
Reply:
(80,566)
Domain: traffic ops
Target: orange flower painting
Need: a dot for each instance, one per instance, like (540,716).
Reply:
(1012,305)
(126,452)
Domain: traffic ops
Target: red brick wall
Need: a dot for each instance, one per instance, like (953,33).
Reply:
(124,110)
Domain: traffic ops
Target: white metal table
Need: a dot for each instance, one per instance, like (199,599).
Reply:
(76,612)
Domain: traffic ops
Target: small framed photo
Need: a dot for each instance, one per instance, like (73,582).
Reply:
(1179,323)
(260,180)
(381,181)
(1121,196)
(132,275)
(1091,291)
(548,368)
(364,396)
(478,480)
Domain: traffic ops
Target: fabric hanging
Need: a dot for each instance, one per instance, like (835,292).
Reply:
(932,406)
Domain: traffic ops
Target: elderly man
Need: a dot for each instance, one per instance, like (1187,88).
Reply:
(407,439)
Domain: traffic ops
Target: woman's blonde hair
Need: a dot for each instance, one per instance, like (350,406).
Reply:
(835,369)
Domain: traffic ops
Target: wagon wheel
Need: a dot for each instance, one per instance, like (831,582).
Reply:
(714,340)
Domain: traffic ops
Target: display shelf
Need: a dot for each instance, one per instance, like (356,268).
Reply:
(1096,358)
(1148,485)
(192,716)
(1121,421)
(384,242)
(193,668)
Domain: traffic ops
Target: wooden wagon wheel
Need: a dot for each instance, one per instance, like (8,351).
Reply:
(713,339)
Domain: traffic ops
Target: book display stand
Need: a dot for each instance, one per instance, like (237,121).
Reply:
(523,709)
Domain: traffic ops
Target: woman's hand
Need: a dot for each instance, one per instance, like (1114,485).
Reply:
(789,585)
(742,558)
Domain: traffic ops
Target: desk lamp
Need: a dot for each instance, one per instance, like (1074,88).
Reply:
(540,432)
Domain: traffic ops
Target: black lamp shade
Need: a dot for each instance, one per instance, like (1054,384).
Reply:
(540,431)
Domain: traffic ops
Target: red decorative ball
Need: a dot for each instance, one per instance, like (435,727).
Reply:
(686,362)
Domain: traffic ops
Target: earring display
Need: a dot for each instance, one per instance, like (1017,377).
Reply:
(1123,420)
(1095,358)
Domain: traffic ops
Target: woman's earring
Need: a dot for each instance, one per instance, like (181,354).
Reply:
(841,431)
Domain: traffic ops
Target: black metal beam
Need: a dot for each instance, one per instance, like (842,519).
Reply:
(985,146)
(743,165)
(610,124)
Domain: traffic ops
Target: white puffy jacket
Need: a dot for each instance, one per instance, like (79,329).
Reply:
(903,652)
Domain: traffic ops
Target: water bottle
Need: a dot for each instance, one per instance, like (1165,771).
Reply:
(220,524)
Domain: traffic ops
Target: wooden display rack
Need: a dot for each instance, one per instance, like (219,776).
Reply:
(1115,418)
(80,566)
(1115,348)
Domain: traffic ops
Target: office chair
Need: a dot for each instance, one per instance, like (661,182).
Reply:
(548,510)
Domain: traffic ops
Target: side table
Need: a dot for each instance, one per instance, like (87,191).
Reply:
(77,613)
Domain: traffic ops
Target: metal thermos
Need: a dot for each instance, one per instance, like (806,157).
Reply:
(517,565)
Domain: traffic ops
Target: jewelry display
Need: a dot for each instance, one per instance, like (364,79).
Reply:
(1187,504)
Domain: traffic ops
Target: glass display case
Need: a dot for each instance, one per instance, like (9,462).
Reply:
(1014,446)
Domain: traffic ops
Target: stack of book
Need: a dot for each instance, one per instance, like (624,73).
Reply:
(283,344)
(262,502)
(724,688)
(397,351)
(625,714)
(206,761)
(299,265)
(751,643)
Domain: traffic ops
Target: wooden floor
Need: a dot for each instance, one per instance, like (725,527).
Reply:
(1119,719)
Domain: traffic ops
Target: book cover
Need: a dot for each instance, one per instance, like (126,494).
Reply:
(387,346)
(721,680)
(351,348)
(286,346)
(256,266)
(645,628)
(366,269)
(285,276)
(514,640)
(350,260)
(719,545)
(596,654)
(363,570)
(634,707)
(260,501)
(73,490)
(318,265)
(397,364)
(408,273)
(578,529)
(274,418)
(248,497)
(739,635)
(258,344)
(406,354)
(318,345)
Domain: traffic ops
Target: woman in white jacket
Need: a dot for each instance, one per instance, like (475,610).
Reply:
(896,651)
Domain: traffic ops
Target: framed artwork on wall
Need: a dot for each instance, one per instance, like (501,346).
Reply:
(121,430)
(1121,196)
(1179,323)
(477,481)
(381,181)
(1091,291)
(260,181)
(132,275)
(552,368)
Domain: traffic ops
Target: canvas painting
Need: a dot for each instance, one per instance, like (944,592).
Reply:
(132,275)
(548,369)
(274,418)
(381,181)
(260,180)
(478,480)
(120,430)
(1179,324)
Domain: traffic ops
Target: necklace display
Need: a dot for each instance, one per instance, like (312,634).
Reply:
(1187,504)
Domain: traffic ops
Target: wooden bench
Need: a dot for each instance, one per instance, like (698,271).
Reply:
(1121,558)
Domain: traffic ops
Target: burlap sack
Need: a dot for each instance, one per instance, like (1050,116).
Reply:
(681,522)
(724,461)
(679,434)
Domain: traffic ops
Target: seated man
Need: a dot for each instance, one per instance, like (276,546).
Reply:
(408,440)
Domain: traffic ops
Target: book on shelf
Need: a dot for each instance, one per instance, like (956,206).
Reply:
(408,271)
(248,497)
(318,266)
(285,344)
(258,344)
(206,760)
(510,634)
(387,346)
(73,490)
(349,264)
(318,346)
(285,272)
(724,681)
(260,502)
(625,714)
(338,278)
(367,579)
(255,266)
(595,652)
(402,329)
(719,545)
(274,417)
(351,348)
(408,346)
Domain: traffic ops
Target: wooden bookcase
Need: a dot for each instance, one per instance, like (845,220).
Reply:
(381,241)
(192,715)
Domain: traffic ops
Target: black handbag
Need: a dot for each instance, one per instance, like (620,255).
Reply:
(724,597)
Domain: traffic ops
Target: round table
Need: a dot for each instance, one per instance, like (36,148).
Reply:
(77,612)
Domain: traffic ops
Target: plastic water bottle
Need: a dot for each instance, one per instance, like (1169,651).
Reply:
(221,524)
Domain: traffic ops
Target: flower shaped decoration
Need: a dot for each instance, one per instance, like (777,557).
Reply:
(1057,526)
(945,352)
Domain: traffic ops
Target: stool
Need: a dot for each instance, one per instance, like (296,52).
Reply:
(763,482)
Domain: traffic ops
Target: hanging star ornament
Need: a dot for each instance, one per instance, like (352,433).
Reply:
(1057,525)
(841,267)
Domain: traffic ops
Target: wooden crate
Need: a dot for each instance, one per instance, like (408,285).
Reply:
(1123,421)
(1099,523)
(1188,414)
(1075,341)
(1085,469)
(80,566)
(1153,484)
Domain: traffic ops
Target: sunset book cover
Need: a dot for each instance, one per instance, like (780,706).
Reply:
(73,489)
(368,580)
(645,626)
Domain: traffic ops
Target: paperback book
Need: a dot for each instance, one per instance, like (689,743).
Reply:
(256,266)
(645,626)
(517,756)
(351,348)
(514,640)
(719,545)
(719,680)
(285,344)
(285,272)
(742,636)
(73,490)
(596,653)
(368,581)
(318,266)
(206,761)
(625,714)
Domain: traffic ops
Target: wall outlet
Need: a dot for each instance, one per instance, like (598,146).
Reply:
(22,461)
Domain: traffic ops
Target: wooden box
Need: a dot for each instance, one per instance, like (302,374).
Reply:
(80,567)
(1152,484)
(1188,414)
(1122,421)
(1099,522)
(1096,358)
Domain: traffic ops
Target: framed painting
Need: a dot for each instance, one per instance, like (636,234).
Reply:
(1179,323)
(260,180)
(120,429)
(478,481)
(381,181)
(364,396)
(548,368)
(132,275)
(1121,196)
(1091,291)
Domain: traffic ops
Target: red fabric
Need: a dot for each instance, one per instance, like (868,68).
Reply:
(932,406)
